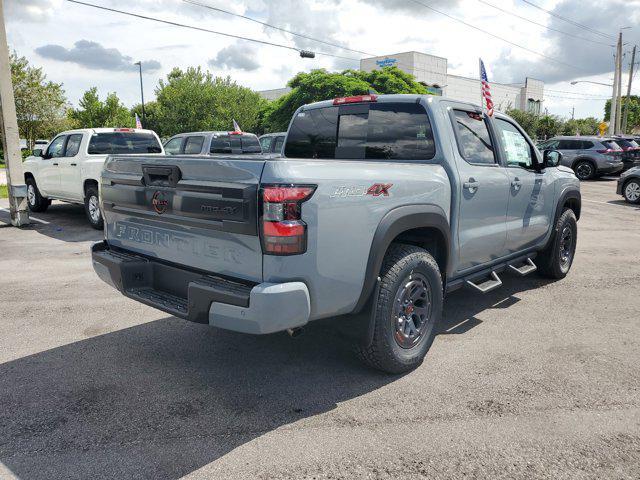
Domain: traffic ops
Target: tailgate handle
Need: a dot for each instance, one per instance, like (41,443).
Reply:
(161,176)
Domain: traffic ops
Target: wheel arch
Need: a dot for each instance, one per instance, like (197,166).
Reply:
(424,226)
(88,182)
(585,159)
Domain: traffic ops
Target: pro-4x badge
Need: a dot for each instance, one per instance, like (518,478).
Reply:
(159,202)
(375,190)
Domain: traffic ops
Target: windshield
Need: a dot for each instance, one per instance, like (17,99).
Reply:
(123,142)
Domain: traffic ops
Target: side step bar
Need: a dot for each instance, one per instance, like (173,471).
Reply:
(488,285)
(526,269)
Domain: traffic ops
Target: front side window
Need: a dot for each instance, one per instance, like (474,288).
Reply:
(73,145)
(56,148)
(279,144)
(473,138)
(250,144)
(265,143)
(193,145)
(517,150)
(172,147)
(112,143)
(388,131)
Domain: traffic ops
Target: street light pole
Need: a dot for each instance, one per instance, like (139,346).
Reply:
(141,92)
(626,103)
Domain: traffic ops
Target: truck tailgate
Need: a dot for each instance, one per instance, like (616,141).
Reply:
(197,212)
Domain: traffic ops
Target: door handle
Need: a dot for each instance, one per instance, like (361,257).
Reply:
(471,185)
(73,164)
(516,184)
(55,164)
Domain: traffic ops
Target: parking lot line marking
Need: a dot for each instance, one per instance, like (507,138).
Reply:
(31,217)
(606,203)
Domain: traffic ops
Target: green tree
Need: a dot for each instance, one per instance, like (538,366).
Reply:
(40,104)
(322,85)
(527,120)
(548,126)
(581,126)
(633,117)
(94,113)
(150,120)
(194,100)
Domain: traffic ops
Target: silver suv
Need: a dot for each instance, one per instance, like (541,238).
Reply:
(589,157)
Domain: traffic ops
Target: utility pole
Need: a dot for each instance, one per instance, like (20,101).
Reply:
(141,93)
(10,135)
(573,112)
(614,95)
(619,102)
(626,103)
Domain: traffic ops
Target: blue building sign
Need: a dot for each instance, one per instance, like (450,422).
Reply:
(387,62)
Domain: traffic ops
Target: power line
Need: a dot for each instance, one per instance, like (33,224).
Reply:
(572,93)
(496,36)
(508,12)
(201,29)
(560,17)
(275,27)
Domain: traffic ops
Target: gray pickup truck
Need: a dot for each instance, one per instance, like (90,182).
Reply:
(379,207)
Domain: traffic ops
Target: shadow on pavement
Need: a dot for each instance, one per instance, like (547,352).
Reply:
(65,221)
(165,398)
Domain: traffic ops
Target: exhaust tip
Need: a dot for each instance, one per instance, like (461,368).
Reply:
(294,332)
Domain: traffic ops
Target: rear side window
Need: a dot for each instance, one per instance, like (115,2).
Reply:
(193,145)
(586,145)
(265,143)
(385,131)
(220,144)
(123,142)
(73,145)
(473,138)
(570,145)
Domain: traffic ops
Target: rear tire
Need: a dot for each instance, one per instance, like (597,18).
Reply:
(36,202)
(631,191)
(407,311)
(92,207)
(584,170)
(556,260)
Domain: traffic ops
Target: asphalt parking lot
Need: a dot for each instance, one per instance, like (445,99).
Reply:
(536,379)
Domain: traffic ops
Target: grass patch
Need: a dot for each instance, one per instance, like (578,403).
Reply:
(4,192)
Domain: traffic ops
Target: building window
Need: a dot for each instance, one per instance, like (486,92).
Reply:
(533,106)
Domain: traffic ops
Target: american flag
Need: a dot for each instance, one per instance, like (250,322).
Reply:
(138,122)
(486,90)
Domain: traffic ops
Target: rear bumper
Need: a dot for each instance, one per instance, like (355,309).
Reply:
(233,305)
(611,167)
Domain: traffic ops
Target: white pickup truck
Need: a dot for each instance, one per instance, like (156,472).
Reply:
(70,167)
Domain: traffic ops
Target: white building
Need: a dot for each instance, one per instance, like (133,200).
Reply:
(432,72)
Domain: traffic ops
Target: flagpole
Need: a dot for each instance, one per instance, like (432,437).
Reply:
(480,76)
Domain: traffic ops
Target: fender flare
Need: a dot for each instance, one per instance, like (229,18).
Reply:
(569,194)
(395,222)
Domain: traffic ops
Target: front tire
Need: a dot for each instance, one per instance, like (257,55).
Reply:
(36,202)
(631,191)
(585,170)
(556,260)
(407,311)
(92,207)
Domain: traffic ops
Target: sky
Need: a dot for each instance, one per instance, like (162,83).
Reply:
(83,47)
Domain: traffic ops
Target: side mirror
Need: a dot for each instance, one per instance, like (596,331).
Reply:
(37,152)
(551,158)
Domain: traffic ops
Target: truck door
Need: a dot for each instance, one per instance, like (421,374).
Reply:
(483,191)
(531,193)
(69,168)
(48,179)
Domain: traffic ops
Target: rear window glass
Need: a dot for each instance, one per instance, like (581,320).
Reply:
(473,138)
(123,142)
(250,144)
(383,131)
(611,144)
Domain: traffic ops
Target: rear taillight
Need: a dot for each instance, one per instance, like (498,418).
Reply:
(282,230)
(355,99)
(608,151)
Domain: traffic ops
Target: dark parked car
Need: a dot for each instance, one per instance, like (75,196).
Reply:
(589,157)
(631,151)
(272,142)
(207,143)
(629,185)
